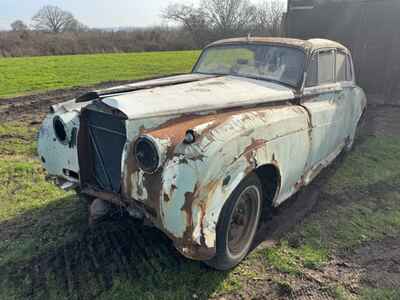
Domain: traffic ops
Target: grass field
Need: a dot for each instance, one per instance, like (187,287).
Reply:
(20,76)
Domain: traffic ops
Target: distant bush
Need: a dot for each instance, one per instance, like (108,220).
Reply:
(34,43)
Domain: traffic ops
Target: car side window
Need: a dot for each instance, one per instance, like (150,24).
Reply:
(326,63)
(312,72)
(341,67)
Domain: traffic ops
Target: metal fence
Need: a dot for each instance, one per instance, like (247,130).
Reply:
(371,29)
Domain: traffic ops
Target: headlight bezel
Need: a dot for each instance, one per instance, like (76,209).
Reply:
(148,144)
(60,130)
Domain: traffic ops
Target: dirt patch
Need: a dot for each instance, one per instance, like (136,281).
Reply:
(380,262)
(33,108)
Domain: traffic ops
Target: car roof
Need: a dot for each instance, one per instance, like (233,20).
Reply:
(307,45)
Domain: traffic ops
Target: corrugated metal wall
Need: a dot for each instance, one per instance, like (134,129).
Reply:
(371,29)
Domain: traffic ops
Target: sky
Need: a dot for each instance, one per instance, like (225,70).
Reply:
(94,13)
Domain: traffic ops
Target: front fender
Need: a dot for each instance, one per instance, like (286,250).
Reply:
(192,205)
(59,158)
(199,178)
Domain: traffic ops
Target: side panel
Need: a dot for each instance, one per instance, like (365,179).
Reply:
(328,119)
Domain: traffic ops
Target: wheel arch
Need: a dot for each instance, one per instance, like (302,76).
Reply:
(270,178)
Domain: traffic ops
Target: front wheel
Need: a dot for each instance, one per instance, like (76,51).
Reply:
(238,224)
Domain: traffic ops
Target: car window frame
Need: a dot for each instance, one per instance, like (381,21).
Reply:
(352,69)
(317,52)
(346,64)
(327,87)
(333,53)
(349,64)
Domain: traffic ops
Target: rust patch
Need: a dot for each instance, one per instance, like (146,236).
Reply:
(250,153)
(109,197)
(274,161)
(187,209)
(175,129)
(203,209)
(255,144)
(173,188)
(299,184)
(153,185)
(129,168)
(166,197)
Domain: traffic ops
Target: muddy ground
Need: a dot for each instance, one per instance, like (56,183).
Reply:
(85,268)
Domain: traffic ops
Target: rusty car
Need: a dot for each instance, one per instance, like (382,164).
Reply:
(202,155)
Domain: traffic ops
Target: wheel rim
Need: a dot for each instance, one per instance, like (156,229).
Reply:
(243,222)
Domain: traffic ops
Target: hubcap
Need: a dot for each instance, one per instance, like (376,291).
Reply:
(243,220)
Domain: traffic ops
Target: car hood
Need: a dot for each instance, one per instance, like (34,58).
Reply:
(207,94)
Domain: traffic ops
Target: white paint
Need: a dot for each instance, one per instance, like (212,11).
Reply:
(204,95)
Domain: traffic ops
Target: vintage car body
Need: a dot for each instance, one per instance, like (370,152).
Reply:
(209,132)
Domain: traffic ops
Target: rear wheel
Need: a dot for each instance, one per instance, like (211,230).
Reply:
(238,224)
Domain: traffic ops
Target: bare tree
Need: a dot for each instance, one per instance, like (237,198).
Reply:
(269,17)
(192,19)
(76,26)
(18,25)
(54,19)
(229,17)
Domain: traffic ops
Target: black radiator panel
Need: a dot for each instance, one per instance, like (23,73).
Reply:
(107,138)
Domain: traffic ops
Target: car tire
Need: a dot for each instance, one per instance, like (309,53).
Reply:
(238,224)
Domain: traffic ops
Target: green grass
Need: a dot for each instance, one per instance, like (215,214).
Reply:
(380,294)
(20,76)
(34,214)
(376,160)
(17,139)
(366,194)
(193,280)
(293,260)
(359,203)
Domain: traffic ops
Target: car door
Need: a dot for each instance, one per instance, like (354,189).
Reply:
(348,97)
(324,99)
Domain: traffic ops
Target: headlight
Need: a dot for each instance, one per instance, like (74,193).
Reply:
(147,154)
(59,129)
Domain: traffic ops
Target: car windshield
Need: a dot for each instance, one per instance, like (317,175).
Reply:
(266,62)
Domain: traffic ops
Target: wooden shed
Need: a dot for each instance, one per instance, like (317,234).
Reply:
(370,28)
